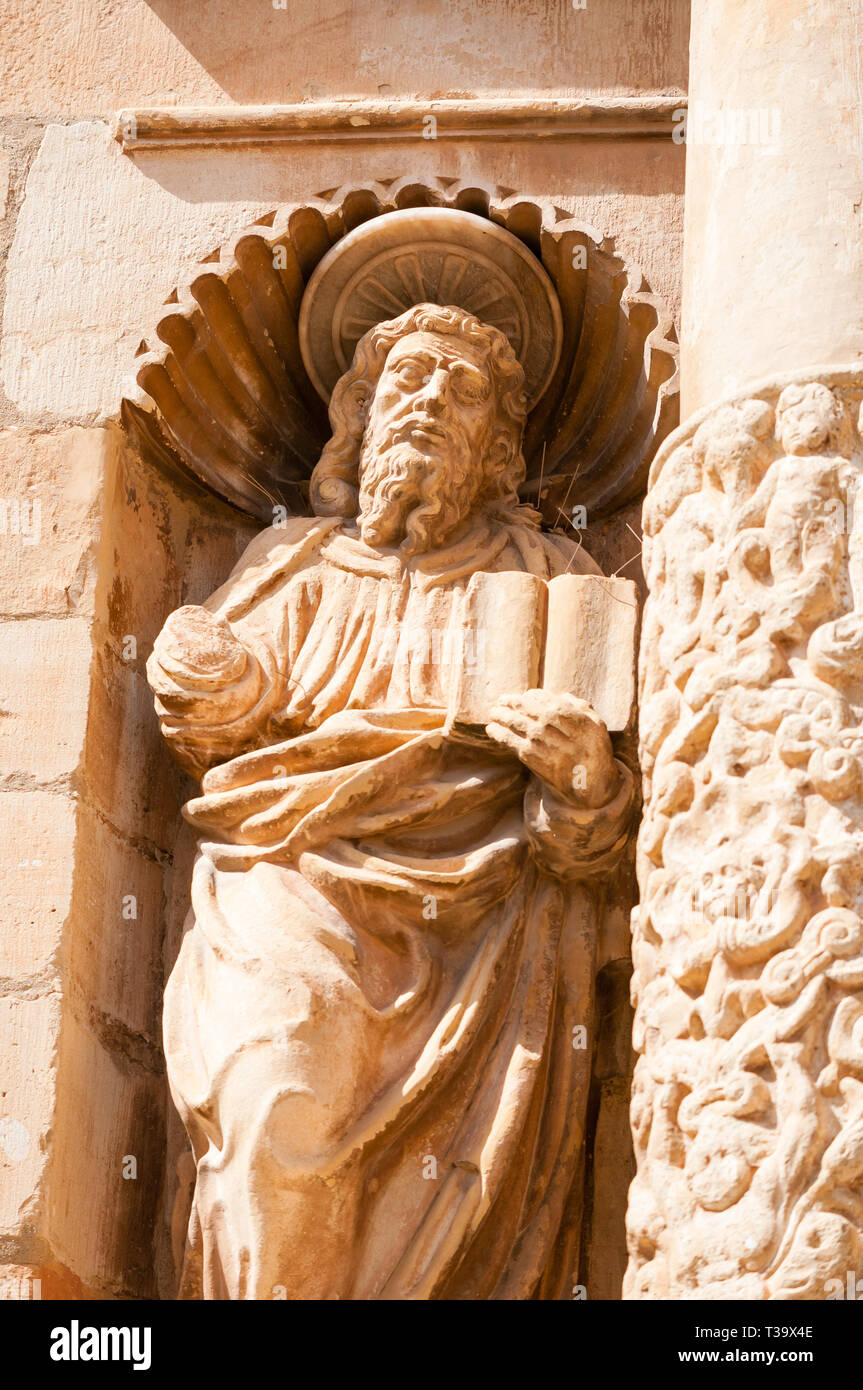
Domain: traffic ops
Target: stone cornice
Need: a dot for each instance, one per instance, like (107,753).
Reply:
(475,118)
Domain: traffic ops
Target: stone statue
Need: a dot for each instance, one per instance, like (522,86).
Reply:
(375,1027)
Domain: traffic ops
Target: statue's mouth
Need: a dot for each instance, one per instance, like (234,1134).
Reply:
(425,427)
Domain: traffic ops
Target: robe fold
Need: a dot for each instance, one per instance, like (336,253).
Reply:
(372,1027)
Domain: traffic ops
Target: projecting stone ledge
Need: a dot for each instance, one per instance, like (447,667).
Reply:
(474,118)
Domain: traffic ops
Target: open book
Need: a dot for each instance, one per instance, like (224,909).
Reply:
(574,633)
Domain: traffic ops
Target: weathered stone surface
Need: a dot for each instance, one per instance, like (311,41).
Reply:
(75,308)
(748,949)
(37,855)
(142,518)
(167,54)
(51,655)
(116,933)
(124,771)
(612,1167)
(613,1164)
(109,1110)
(774,150)
(77,896)
(4,182)
(50,512)
(29,1045)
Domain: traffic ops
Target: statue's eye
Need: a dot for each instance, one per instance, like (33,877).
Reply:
(471,386)
(411,374)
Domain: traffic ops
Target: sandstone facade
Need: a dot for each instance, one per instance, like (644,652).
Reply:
(169,183)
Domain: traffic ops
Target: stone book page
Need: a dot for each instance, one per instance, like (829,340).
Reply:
(503,627)
(590,643)
(576,633)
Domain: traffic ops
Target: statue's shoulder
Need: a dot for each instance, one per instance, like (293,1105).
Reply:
(273,555)
(545,553)
(287,543)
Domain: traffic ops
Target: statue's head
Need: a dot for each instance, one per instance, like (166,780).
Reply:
(808,418)
(427,426)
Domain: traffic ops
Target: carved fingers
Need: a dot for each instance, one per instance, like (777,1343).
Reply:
(561,740)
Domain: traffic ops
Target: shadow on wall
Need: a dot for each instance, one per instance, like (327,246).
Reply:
(584,175)
(168,545)
(276,51)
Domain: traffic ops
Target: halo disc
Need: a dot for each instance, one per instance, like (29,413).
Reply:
(436,255)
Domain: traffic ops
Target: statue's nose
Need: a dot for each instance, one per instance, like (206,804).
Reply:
(434,392)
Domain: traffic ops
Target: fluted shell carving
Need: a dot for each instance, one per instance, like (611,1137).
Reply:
(226,402)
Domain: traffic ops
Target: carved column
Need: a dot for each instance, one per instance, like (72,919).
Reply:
(748,944)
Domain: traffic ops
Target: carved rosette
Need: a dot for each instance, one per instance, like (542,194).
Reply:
(748,943)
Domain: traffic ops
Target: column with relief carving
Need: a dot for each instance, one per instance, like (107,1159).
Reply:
(748,942)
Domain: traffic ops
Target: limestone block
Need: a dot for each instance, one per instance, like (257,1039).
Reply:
(126,770)
(774,152)
(63,867)
(110,1111)
(612,1167)
(613,1162)
(116,933)
(188,547)
(141,519)
(211,550)
(50,656)
(50,493)
(29,1038)
(37,852)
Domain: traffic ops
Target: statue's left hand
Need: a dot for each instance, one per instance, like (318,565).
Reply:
(562,740)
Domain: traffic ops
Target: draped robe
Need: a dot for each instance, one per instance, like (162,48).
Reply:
(372,1027)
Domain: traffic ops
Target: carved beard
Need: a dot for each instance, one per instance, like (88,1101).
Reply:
(413,499)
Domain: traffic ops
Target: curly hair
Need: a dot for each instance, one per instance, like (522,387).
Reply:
(334,489)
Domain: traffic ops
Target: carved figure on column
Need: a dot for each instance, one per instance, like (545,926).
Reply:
(748,948)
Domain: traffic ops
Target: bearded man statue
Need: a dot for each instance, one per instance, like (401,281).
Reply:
(370,1027)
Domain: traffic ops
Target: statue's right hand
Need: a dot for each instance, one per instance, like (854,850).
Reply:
(198,649)
(197,664)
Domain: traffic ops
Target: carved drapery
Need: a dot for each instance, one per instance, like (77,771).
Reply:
(748,944)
